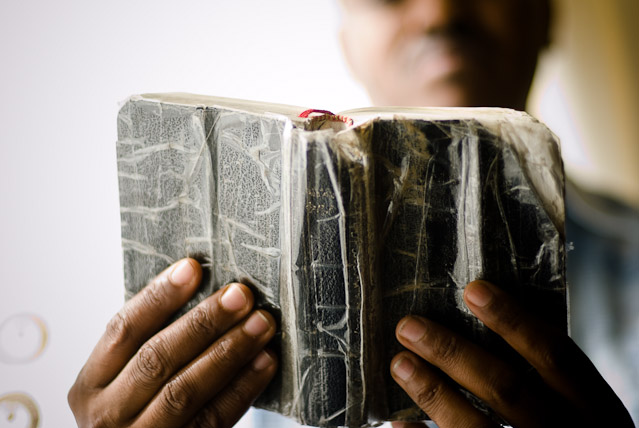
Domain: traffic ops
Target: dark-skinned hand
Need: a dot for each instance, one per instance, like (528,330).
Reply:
(563,388)
(204,369)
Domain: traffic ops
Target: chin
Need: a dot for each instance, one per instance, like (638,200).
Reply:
(443,95)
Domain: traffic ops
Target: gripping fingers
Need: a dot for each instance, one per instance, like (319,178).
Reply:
(184,395)
(559,361)
(442,402)
(502,314)
(140,318)
(233,401)
(516,396)
(176,346)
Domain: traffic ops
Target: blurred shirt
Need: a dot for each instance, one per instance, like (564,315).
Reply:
(603,285)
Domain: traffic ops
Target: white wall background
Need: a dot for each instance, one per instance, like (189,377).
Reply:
(64,66)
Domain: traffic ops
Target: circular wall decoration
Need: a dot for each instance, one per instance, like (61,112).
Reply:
(23,338)
(18,410)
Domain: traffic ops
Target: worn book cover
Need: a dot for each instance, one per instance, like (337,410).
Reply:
(343,224)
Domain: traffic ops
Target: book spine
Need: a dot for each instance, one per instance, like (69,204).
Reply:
(322,284)
(329,275)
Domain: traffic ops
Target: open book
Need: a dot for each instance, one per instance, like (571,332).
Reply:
(342,225)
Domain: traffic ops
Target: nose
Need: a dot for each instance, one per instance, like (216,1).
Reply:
(430,15)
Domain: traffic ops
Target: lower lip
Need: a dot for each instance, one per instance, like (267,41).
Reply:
(438,57)
(440,64)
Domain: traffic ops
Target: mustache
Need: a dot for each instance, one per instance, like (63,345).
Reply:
(456,28)
(461,37)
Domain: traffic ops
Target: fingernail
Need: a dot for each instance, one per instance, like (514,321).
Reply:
(257,324)
(403,368)
(478,294)
(262,361)
(412,329)
(233,298)
(181,274)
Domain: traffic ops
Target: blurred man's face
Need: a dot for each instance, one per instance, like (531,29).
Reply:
(445,52)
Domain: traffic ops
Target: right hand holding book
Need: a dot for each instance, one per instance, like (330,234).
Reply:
(562,388)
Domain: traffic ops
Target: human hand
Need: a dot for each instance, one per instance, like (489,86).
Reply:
(204,369)
(564,389)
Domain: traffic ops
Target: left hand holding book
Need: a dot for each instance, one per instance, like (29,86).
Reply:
(207,367)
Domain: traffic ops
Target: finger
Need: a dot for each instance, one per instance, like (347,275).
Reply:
(139,319)
(442,402)
(559,361)
(174,347)
(196,384)
(517,397)
(233,401)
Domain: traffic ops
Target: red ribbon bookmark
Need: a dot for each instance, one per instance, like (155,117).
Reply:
(325,115)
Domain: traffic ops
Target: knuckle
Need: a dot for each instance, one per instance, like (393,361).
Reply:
(96,419)
(505,391)
(509,319)
(177,397)
(154,296)
(235,398)
(446,348)
(225,409)
(86,411)
(150,363)
(226,353)
(101,420)
(428,395)
(209,418)
(118,330)
(201,320)
(557,354)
